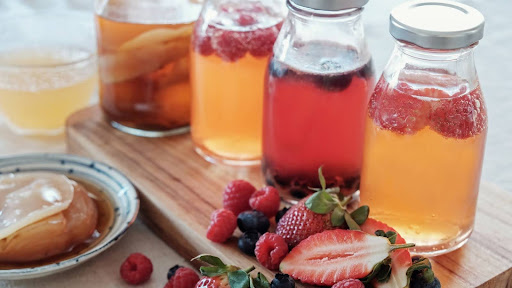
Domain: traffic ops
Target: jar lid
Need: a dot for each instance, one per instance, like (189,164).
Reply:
(439,24)
(330,5)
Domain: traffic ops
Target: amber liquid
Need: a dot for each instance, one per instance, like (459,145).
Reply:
(144,74)
(424,181)
(105,220)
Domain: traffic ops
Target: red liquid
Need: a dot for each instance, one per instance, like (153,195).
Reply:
(313,120)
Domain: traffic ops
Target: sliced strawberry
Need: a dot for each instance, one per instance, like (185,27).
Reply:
(397,109)
(299,223)
(460,117)
(331,256)
(400,259)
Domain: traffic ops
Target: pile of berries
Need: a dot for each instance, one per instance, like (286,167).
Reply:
(250,210)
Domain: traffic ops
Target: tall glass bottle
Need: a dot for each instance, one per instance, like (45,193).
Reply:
(317,89)
(426,127)
(232,43)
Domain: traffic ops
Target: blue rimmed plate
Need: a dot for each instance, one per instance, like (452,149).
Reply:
(116,187)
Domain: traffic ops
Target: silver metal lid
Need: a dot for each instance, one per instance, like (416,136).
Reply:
(330,5)
(439,24)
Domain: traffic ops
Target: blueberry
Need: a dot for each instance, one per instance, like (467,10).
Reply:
(420,283)
(282,281)
(334,82)
(247,242)
(172,271)
(253,221)
(281,213)
(277,69)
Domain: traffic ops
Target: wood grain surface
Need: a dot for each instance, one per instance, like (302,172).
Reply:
(179,190)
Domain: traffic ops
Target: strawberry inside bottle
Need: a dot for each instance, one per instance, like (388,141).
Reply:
(426,129)
(231,45)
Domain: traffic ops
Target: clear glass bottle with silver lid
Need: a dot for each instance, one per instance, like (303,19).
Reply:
(426,127)
(317,89)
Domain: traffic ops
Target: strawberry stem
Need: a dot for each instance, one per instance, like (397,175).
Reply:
(249,270)
(345,201)
(401,246)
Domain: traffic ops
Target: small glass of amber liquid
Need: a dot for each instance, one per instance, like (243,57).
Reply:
(143,60)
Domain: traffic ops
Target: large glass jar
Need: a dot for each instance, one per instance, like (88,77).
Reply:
(318,84)
(232,43)
(143,48)
(426,127)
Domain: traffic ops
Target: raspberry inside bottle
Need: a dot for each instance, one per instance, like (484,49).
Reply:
(232,43)
(426,128)
(317,89)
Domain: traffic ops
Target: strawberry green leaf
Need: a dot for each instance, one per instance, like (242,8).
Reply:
(391,236)
(321,178)
(260,281)
(360,214)
(337,217)
(384,274)
(210,259)
(321,202)
(239,279)
(375,271)
(424,267)
(352,225)
(211,271)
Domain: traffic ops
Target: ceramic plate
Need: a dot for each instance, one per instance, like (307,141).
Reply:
(116,187)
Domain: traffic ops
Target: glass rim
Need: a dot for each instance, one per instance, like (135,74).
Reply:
(73,16)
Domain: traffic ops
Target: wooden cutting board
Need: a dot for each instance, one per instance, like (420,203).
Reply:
(179,190)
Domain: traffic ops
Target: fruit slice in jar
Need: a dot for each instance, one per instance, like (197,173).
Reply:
(145,53)
(331,256)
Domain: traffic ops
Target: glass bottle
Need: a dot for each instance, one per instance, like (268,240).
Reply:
(317,88)
(144,48)
(426,127)
(232,43)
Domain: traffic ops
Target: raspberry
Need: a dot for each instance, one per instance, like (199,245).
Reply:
(261,41)
(246,20)
(222,225)
(459,117)
(266,200)
(229,45)
(181,277)
(136,269)
(271,250)
(349,283)
(398,110)
(236,196)
(201,39)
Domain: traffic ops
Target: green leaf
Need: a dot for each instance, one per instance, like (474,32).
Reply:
(352,225)
(238,279)
(360,214)
(423,265)
(261,281)
(321,178)
(210,259)
(321,202)
(391,235)
(380,233)
(211,271)
(337,217)
(376,269)
(384,273)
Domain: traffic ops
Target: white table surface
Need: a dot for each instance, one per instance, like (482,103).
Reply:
(493,58)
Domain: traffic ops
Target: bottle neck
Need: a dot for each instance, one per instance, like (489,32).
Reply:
(322,34)
(456,65)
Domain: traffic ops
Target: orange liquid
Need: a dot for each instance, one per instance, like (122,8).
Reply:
(425,185)
(144,73)
(228,104)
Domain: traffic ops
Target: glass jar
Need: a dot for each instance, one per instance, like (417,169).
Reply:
(232,43)
(426,128)
(143,48)
(317,89)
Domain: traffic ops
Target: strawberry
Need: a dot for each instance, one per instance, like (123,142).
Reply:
(334,255)
(400,259)
(220,275)
(318,212)
(299,223)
